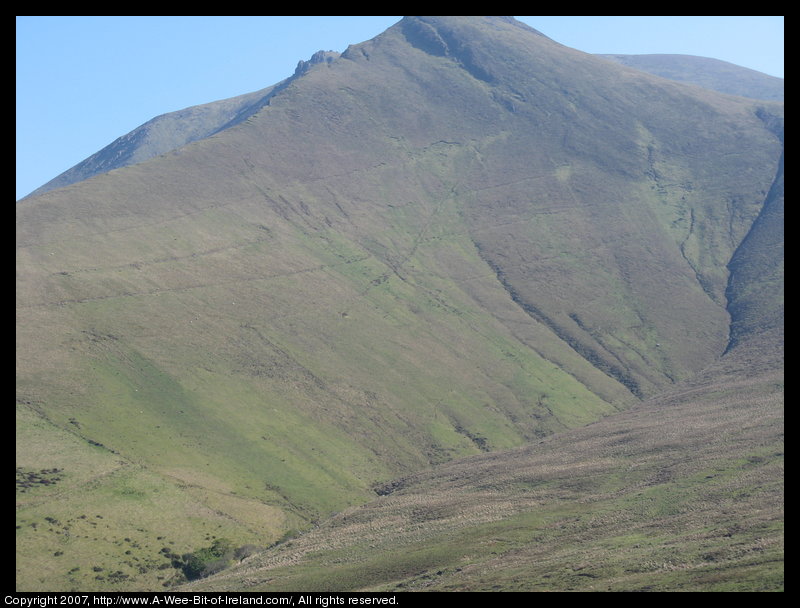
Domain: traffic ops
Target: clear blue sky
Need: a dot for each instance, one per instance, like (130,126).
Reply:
(84,81)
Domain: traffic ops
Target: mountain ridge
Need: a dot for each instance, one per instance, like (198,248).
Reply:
(707,72)
(141,143)
(173,130)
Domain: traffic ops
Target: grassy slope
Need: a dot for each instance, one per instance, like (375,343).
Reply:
(709,73)
(241,414)
(241,417)
(682,492)
(161,135)
(259,327)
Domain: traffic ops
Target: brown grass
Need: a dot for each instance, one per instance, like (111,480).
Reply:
(684,491)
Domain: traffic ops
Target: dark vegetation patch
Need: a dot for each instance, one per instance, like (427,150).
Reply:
(386,488)
(206,561)
(29,478)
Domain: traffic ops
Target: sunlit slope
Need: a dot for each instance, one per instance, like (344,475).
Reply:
(707,72)
(457,237)
(162,134)
(681,493)
(288,367)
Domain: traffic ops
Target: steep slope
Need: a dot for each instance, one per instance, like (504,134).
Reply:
(171,131)
(682,492)
(707,72)
(457,237)
(175,129)
(756,286)
(160,135)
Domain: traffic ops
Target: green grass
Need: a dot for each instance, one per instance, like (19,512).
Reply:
(103,524)
(244,417)
(684,494)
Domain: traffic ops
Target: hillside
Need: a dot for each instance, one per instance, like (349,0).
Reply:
(162,134)
(683,492)
(171,131)
(457,238)
(707,72)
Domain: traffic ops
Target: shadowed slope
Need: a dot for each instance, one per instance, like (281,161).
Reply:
(756,287)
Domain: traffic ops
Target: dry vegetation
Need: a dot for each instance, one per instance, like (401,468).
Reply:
(684,491)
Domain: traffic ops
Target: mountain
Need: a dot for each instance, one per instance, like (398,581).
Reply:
(707,72)
(176,129)
(173,130)
(160,135)
(455,239)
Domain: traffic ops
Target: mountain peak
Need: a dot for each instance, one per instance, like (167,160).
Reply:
(316,58)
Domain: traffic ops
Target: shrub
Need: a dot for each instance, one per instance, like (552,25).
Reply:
(208,560)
